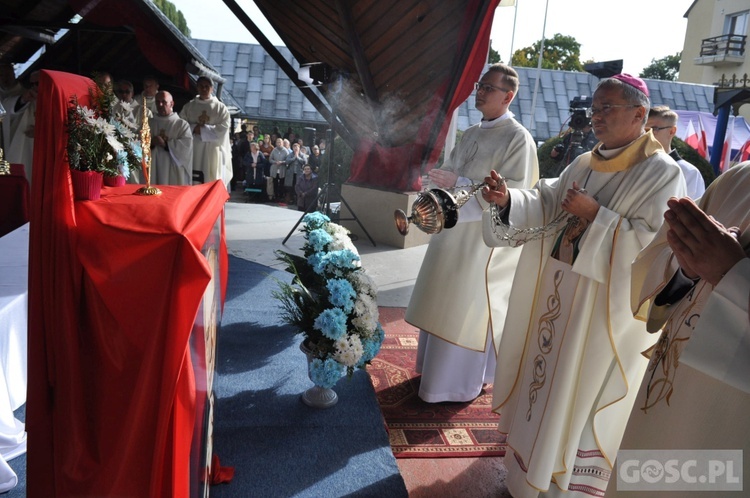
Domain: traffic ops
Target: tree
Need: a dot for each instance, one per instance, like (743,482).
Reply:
(174,15)
(560,52)
(665,68)
(494,56)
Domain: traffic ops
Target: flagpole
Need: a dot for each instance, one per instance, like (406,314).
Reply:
(538,71)
(513,34)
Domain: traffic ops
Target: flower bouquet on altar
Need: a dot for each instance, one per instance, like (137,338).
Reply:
(98,140)
(331,301)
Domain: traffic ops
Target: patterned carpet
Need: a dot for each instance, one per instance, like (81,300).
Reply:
(426,430)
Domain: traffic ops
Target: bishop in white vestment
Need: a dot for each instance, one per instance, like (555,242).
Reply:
(570,353)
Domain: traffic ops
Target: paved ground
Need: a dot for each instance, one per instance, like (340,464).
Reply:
(255,231)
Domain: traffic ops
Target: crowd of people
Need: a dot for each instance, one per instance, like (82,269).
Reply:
(552,290)
(194,145)
(277,168)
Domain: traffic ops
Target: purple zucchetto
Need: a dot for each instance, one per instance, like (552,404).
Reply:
(633,81)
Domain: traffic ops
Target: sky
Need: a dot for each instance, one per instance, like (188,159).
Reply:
(636,31)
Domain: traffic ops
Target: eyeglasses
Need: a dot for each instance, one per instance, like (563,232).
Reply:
(657,128)
(488,88)
(606,109)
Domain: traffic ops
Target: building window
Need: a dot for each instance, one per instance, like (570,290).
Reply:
(735,26)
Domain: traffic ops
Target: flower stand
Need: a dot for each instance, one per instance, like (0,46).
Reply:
(87,185)
(316,396)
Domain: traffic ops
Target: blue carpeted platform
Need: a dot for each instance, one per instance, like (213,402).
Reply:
(279,446)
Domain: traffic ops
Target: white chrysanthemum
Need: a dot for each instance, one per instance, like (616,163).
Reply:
(364,284)
(349,351)
(88,114)
(341,239)
(114,143)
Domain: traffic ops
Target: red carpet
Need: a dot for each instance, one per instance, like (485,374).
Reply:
(426,430)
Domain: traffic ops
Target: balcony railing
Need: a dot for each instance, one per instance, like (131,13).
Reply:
(722,50)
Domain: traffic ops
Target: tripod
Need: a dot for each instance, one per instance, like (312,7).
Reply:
(324,192)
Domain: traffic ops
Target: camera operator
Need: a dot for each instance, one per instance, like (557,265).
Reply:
(579,138)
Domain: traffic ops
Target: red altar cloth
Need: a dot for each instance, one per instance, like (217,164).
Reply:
(114,287)
(14,199)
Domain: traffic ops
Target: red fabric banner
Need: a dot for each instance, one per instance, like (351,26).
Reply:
(114,287)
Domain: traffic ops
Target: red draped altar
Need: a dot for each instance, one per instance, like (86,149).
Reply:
(115,287)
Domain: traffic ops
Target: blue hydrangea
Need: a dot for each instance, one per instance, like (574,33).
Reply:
(315,220)
(318,239)
(343,259)
(325,373)
(317,262)
(332,323)
(371,346)
(342,294)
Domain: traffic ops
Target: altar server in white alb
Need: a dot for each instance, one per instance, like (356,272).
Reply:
(171,145)
(570,362)
(209,119)
(449,302)
(692,283)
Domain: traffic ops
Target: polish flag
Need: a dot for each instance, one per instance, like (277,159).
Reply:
(726,153)
(696,138)
(745,151)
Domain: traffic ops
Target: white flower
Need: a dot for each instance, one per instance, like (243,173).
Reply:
(349,350)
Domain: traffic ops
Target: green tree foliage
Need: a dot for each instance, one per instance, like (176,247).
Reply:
(494,56)
(665,68)
(561,52)
(174,15)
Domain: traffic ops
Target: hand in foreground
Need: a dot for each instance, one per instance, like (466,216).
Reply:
(496,190)
(703,247)
(577,202)
(442,178)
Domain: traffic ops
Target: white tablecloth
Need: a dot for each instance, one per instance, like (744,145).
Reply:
(14,269)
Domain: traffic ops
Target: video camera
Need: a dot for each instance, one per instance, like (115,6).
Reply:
(578,107)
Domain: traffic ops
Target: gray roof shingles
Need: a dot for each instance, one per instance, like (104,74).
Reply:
(263,90)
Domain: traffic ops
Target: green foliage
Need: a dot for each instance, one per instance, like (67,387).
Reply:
(667,68)
(494,56)
(174,15)
(691,155)
(548,167)
(561,52)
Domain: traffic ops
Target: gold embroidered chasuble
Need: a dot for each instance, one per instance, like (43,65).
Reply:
(570,351)
(695,393)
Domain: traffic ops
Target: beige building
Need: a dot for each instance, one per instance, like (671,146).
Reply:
(714,52)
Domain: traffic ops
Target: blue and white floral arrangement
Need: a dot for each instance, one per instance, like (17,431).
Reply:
(331,301)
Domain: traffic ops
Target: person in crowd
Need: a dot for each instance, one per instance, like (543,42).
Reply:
(210,120)
(306,189)
(148,93)
(322,146)
(314,159)
(573,144)
(171,144)
(266,145)
(277,159)
(449,302)
(662,121)
(295,161)
(103,80)
(692,284)
(21,124)
(257,169)
(304,148)
(287,145)
(569,360)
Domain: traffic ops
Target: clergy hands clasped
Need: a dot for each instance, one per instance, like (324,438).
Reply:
(579,203)
(703,247)
(496,191)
